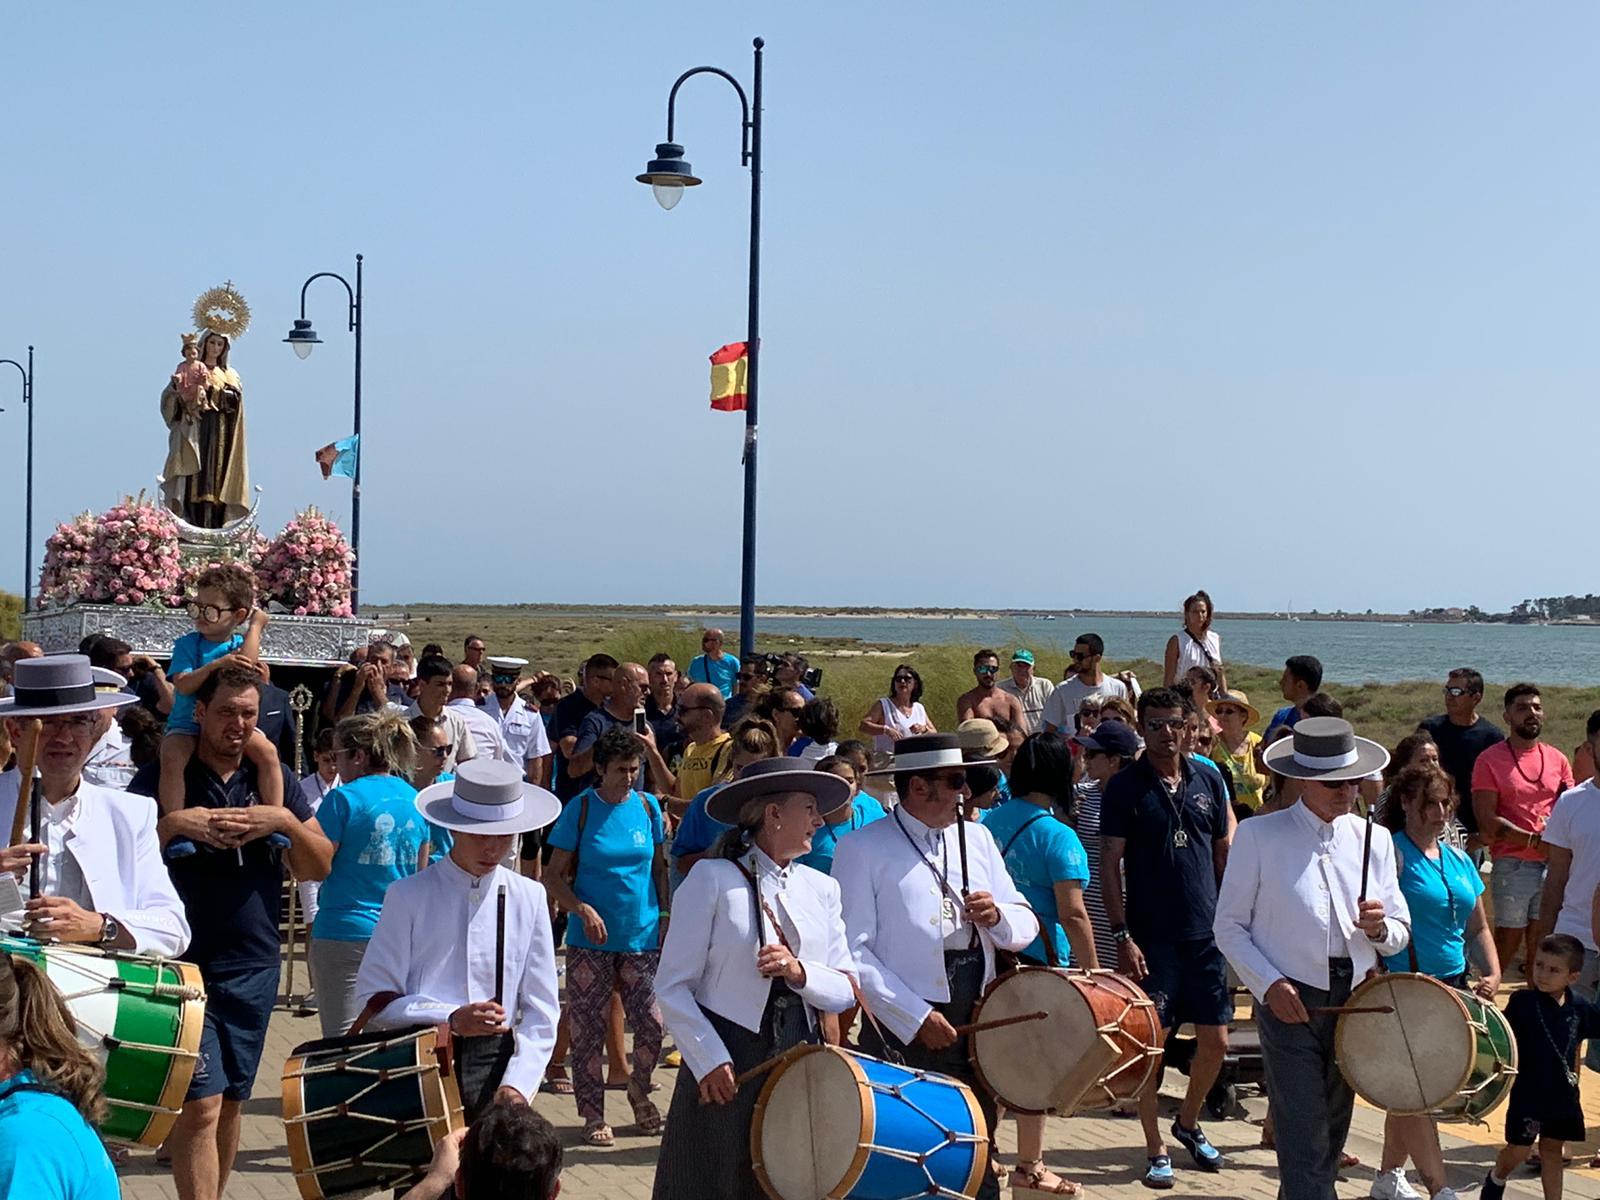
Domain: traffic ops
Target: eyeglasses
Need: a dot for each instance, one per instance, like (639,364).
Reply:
(986,670)
(1156,723)
(793,709)
(206,612)
(905,678)
(497,677)
(1458,692)
(1079,655)
(954,780)
(440,752)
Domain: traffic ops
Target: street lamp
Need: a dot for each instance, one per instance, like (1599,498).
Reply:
(303,338)
(668,174)
(27,533)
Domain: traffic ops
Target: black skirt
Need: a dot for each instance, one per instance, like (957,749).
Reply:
(705,1152)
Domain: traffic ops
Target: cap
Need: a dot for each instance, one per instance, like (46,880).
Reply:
(1110,737)
(1021,655)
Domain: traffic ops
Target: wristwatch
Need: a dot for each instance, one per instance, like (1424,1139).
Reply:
(1120,934)
(110,930)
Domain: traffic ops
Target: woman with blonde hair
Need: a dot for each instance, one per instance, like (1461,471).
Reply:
(377,834)
(753,740)
(52,1092)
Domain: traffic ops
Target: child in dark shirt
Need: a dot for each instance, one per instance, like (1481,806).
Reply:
(1549,1023)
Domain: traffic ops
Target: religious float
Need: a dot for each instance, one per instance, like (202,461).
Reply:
(127,572)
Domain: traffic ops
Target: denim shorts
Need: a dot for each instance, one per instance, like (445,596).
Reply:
(238,1007)
(1514,886)
(1188,982)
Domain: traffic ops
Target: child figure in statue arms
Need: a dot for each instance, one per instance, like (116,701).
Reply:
(191,378)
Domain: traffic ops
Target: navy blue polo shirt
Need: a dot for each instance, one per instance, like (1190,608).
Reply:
(232,906)
(1172,887)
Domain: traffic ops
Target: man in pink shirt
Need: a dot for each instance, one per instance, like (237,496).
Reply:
(1514,787)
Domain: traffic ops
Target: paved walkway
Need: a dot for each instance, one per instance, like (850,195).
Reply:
(1104,1153)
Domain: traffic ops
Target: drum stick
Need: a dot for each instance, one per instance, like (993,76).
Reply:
(33,863)
(758,1069)
(500,945)
(961,842)
(761,929)
(1351,1010)
(27,760)
(999,1023)
(1366,857)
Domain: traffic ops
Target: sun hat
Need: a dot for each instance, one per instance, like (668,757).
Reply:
(1239,700)
(1021,655)
(58,685)
(928,752)
(776,777)
(1327,749)
(1110,737)
(490,797)
(982,738)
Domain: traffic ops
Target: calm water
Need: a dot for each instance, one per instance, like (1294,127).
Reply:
(1351,652)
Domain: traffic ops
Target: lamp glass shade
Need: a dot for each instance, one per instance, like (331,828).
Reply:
(302,337)
(303,349)
(667,194)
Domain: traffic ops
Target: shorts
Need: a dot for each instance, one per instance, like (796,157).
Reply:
(1525,1130)
(238,1007)
(1514,885)
(1187,982)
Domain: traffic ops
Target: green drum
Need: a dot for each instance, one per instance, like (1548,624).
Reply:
(366,1111)
(1437,1051)
(141,1016)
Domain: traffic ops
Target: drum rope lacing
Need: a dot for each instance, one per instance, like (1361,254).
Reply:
(101,985)
(951,1137)
(399,1126)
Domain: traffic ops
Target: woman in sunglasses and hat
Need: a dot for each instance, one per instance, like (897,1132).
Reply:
(757,951)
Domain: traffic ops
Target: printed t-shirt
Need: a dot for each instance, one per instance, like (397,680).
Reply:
(1441,894)
(702,762)
(614,867)
(1575,825)
(1040,852)
(190,653)
(864,810)
(1248,781)
(1526,786)
(723,672)
(375,824)
(48,1149)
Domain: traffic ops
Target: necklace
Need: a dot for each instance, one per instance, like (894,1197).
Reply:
(1538,777)
(947,908)
(1174,798)
(1444,880)
(1572,1045)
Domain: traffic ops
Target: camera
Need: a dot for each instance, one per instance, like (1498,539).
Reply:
(812,677)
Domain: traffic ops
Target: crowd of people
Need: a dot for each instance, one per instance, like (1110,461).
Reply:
(468,831)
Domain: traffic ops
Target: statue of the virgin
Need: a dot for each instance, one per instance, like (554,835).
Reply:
(206,480)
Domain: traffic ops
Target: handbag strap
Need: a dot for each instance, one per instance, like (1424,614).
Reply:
(889,1051)
(577,842)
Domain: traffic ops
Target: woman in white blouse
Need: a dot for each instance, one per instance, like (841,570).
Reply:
(757,950)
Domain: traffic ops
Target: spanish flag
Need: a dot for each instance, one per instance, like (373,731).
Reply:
(730,369)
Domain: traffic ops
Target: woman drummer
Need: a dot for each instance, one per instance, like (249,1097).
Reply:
(1445,894)
(758,949)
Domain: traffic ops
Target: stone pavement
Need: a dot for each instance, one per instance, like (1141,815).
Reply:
(1105,1153)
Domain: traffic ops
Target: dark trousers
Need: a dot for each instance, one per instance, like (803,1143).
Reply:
(964,972)
(480,1066)
(1311,1102)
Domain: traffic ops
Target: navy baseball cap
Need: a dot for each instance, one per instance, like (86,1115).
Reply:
(1110,737)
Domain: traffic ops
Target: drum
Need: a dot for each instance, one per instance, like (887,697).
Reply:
(1442,1051)
(365,1112)
(141,1016)
(1098,1043)
(832,1123)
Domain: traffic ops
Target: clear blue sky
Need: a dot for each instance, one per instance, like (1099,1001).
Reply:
(1064,305)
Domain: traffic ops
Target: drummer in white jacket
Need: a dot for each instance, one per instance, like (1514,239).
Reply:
(101,878)
(433,956)
(927,902)
(757,950)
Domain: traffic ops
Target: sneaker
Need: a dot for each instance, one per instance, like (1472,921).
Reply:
(1392,1185)
(1490,1190)
(1206,1156)
(1158,1174)
(1446,1194)
(179,847)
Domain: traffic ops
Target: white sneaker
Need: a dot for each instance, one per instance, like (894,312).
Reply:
(1445,1194)
(1392,1185)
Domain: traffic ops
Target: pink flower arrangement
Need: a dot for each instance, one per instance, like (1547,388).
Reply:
(306,568)
(127,555)
(65,575)
(247,556)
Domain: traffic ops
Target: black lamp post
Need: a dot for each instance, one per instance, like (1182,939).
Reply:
(27,533)
(303,338)
(668,174)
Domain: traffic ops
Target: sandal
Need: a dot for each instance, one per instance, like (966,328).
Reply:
(598,1133)
(1032,1175)
(557,1085)
(645,1114)
(1348,1160)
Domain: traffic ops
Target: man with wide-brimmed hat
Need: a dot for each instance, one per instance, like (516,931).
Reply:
(927,902)
(1291,921)
(102,881)
(432,957)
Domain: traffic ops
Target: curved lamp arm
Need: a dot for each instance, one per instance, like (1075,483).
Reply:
(21,370)
(350,291)
(744,106)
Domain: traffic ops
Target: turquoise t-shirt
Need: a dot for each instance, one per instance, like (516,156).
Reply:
(698,830)
(1441,894)
(190,653)
(614,868)
(375,824)
(439,838)
(1043,854)
(864,810)
(723,672)
(48,1151)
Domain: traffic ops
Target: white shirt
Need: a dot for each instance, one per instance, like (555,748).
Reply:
(485,729)
(435,945)
(1574,825)
(110,763)
(314,790)
(463,745)
(894,911)
(521,729)
(59,873)
(709,956)
(110,836)
(1062,707)
(1190,653)
(1288,898)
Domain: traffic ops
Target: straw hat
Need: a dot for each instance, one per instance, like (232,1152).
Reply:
(1237,699)
(1326,749)
(488,797)
(58,685)
(776,777)
(929,752)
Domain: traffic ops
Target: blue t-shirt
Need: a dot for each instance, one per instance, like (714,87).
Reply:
(190,653)
(439,839)
(1285,716)
(376,826)
(864,810)
(48,1151)
(614,868)
(697,832)
(720,671)
(1441,894)
(1043,854)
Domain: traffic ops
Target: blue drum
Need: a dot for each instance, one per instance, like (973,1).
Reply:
(832,1124)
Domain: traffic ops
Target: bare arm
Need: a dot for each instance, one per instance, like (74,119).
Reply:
(537,771)
(1558,870)
(1169,665)
(252,636)
(878,727)
(1074,918)
(557,884)
(1492,827)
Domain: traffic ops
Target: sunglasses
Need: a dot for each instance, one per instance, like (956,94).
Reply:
(793,710)
(207,612)
(905,678)
(986,670)
(1156,723)
(1458,692)
(510,677)
(954,780)
(440,752)
(1079,655)
(1229,711)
